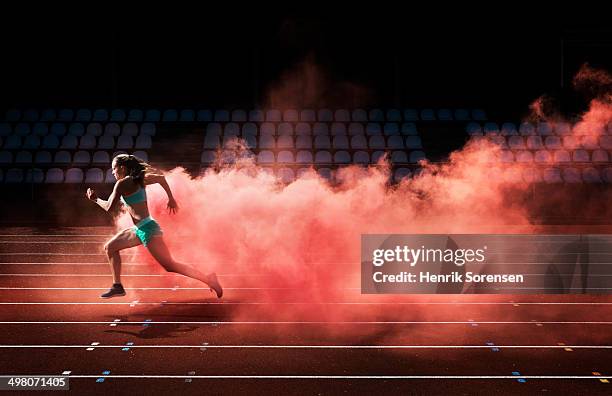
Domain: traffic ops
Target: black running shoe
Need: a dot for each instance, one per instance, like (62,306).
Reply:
(115,291)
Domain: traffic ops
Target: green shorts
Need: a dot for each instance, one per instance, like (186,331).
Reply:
(146,229)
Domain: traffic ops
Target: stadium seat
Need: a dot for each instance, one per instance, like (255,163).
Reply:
(589,142)
(87,142)
(361,158)
(94,175)
(342,115)
(600,156)
(409,128)
(106,142)
(31,142)
(285,142)
(213,128)
(143,142)
(112,129)
(561,156)
(35,175)
(342,157)
(607,175)
(303,128)
(338,128)
(473,129)
(320,129)
(373,128)
(69,142)
(341,142)
(524,156)
(76,129)
(6,157)
(12,142)
(249,128)
(399,157)
(325,115)
(323,157)
(359,142)
(171,115)
(83,115)
(62,158)
(307,115)
(291,116)
(391,128)
(552,175)
(553,143)
(204,116)
(377,143)
(286,175)
(94,129)
(605,142)
(100,158)
(130,129)
(74,175)
(14,175)
(563,128)
(508,129)
(5,129)
(231,129)
(142,155)
(22,129)
(285,128)
(506,156)
(526,129)
(376,156)
(491,128)
(570,143)
(428,115)
(187,115)
(58,129)
(266,142)
(542,156)
(265,157)
(117,115)
(445,115)
(401,174)
(42,157)
(376,115)
(581,156)
(516,143)
(50,142)
(479,115)
(545,129)
(273,115)
(359,115)
(413,142)
(285,156)
(303,142)
(326,174)
(81,158)
(303,157)
(152,116)
(322,142)
(135,115)
(40,129)
(355,129)
(462,115)
(267,128)
(23,157)
(416,156)
(534,143)
(54,175)
(211,140)
(100,115)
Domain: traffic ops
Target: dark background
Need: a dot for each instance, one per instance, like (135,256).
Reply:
(226,59)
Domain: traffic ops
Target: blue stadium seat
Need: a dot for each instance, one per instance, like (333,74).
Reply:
(31,142)
(303,142)
(267,128)
(231,129)
(542,156)
(591,175)
(205,116)
(58,129)
(106,142)
(462,115)
(265,157)
(361,157)
(5,129)
(473,129)
(249,128)
(48,115)
(62,158)
(30,115)
(112,129)
(428,115)
(54,175)
(35,175)
(394,115)
(527,129)
(322,142)
(342,115)
(12,142)
(65,115)
(491,128)
(40,129)
(376,156)
(285,157)
(341,142)
(506,156)
(509,129)
(142,155)
(524,156)
(373,128)
(83,115)
(545,129)
(12,115)
(303,129)
(147,129)
(100,158)
(266,142)
(256,116)
(409,128)
(563,129)
(391,128)
(377,143)
(152,115)
(14,175)
(23,157)
(516,143)
(130,129)
(355,129)
(411,115)
(109,178)
(323,157)
(571,175)
(69,142)
(250,140)
(326,174)
(42,157)
(479,115)
(320,129)
(359,115)
(100,115)
(342,157)
(228,139)
(74,175)
(291,116)
(81,158)
(600,156)
(118,115)
(284,142)
(135,115)
(399,157)
(401,174)
(143,142)
(359,142)
(273,115)
(561,156)
(286,175)
(187,115)
(416,156)
(413,142)
(376,115)
(303,157)
(445,115)
(395,142)
(211,140)
(6,157)
(553,143)
(213,129)
(76,129)
(308,115)
(171,115)
(285,128)
(208,157)
(22,129)
(94,175)
(50,142)
(325,115)
(581,156)
(338,128)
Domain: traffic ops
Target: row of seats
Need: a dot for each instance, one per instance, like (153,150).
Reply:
(77,129)
(339,142)
(318,128)
(324,157)
(63,157)
(553,175)
(524,129)
(57,175)
(553,142)
(238,115)
(70,142)
(557,156)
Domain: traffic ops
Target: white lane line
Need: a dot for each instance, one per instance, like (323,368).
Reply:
(342,377)
(207,346)
(295,322)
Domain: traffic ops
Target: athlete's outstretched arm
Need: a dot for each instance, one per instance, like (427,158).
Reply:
(158,178)
(112,199)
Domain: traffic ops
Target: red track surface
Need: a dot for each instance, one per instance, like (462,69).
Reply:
(183,337)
